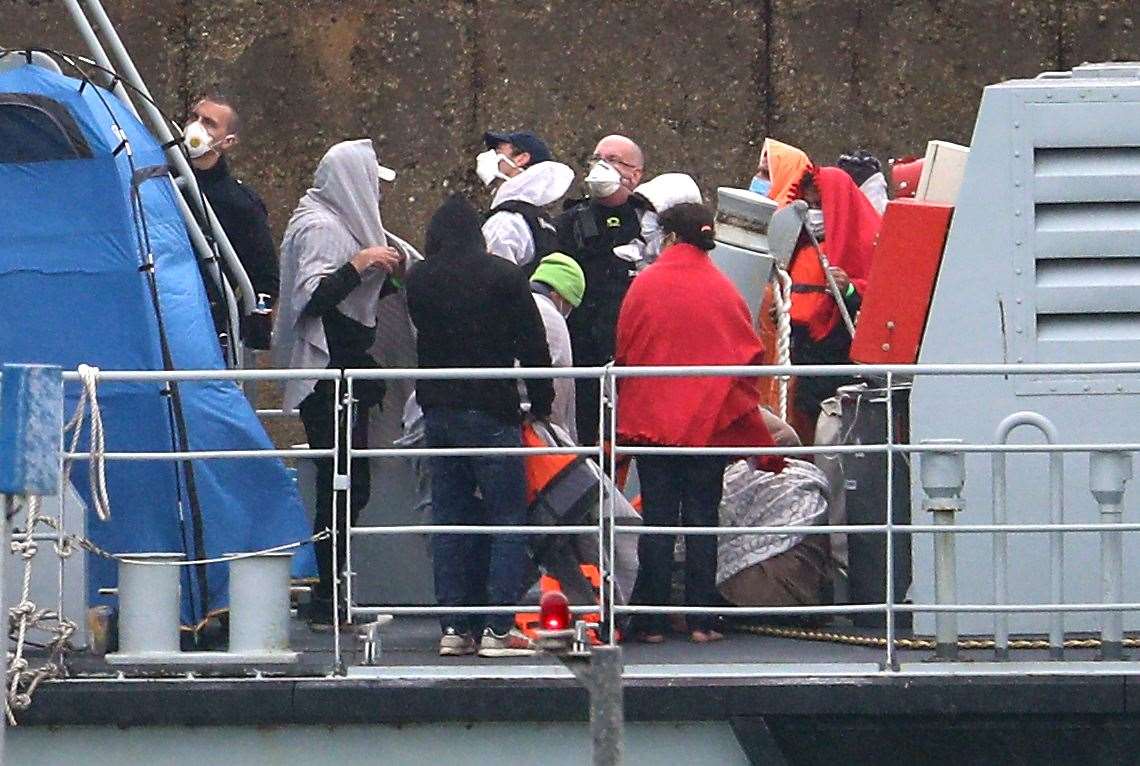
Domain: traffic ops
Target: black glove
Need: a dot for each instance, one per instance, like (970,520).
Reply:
(257,329)
(540,411)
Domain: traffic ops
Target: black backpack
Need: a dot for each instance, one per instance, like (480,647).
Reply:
(542,230)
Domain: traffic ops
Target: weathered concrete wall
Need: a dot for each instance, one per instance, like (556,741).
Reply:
(698,82)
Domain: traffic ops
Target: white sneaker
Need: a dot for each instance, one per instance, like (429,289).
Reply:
(455,644)
(511,644)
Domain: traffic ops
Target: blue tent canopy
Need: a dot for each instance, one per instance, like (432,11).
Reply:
(80,214)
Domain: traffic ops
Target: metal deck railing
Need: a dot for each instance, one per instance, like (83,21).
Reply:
(945,606)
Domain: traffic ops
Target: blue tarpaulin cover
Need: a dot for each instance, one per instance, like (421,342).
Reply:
(72,242)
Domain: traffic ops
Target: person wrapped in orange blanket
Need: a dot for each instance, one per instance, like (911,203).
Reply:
(778,175)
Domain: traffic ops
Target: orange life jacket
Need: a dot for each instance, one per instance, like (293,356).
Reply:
(540,469)
(812,303)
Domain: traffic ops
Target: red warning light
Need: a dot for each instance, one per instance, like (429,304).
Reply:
(554,611)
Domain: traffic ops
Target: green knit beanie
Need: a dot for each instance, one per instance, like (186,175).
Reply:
(563,275)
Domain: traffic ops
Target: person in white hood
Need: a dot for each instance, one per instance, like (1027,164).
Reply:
(336,266)
(518,227)
(660,194)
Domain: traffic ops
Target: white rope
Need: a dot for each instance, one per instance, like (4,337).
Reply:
(782,300)
(97,468)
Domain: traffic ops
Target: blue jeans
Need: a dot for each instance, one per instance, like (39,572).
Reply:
(468,571)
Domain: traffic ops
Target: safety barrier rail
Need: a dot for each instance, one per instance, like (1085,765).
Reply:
(606,530)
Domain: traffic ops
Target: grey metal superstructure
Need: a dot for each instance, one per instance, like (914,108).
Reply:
(1042,265)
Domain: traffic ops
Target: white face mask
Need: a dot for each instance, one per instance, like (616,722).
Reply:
(602,180)
(815,223)
(487,166)
(197,140)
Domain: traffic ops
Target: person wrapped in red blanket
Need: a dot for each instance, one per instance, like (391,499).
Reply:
(683,311)
(846,226)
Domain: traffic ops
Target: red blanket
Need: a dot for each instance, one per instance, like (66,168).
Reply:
(683,311)
(850,227)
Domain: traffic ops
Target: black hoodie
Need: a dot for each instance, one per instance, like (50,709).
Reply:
(472,309)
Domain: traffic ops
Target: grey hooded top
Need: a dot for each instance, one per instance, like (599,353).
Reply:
(335,219)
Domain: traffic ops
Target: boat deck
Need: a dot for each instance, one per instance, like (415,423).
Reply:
(807,700)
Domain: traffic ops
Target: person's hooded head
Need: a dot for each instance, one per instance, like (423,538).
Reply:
(841,216)
(860,165)
(335,219)
(347,185)
(455,230)
(565,278)
(781,165)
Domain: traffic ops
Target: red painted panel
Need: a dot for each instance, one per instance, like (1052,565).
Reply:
(907,256)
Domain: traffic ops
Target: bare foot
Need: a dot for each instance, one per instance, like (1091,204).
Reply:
(650,638)
(705,636)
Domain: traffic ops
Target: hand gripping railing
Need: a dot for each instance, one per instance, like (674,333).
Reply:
(1056,539)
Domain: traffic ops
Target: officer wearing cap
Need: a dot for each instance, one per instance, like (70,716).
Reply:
(527,179)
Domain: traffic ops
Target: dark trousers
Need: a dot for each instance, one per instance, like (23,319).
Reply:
(468,572)
(317,417)
(587,399)
(684,488)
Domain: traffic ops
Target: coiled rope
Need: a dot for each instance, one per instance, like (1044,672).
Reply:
(782,301)
(88,408)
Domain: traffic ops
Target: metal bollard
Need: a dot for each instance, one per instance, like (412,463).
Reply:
(943,476)
(148,605)
(259,605)
(1108,471)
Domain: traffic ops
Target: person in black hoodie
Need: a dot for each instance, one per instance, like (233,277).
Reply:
(474,311)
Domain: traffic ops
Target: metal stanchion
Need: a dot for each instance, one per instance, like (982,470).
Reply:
(943,476)
(1108,471)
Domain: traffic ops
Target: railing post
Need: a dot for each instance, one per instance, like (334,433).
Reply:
(349,423)
(1108,472)
(890,546)
(608,600)
(1056,539)
(338,485)
(943,476)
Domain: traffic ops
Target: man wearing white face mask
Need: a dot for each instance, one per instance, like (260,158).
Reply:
(211,132)
(518,227)
(594,232)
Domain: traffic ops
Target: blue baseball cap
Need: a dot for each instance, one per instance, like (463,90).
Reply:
(523,140)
